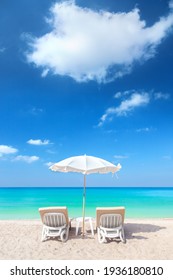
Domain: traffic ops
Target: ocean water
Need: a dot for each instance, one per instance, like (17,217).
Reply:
(23,203)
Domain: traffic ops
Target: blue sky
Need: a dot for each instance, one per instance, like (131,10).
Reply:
(86,77)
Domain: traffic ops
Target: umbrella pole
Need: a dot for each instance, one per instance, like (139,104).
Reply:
(84,195)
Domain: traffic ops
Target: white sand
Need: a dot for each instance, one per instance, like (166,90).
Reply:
(147,239)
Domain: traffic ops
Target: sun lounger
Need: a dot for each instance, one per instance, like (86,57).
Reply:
(55,222)
(109,223)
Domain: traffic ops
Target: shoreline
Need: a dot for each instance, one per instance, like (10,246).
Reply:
(147,239)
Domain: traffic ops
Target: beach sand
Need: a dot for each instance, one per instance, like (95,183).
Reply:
(147,239)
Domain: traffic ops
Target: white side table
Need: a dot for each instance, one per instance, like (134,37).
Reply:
(80,220)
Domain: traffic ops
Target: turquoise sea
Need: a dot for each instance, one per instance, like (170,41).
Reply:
(23,203)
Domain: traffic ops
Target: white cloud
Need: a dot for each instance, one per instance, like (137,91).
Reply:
(2,50)
(121,94)
(118,94)
(49,163)
(35,111)
(145,129)
(28,159)
(171,4)
(160,95)
(134,101)
(38,142)
(129,100)
(4,149)
(120,157)
(95,45)
(45,72)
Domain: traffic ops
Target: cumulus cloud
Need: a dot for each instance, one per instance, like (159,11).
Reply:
(28,159)
(38,142)
(4,149)
(95,45)
(134,101)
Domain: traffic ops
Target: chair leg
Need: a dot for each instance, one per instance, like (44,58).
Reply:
(91,227)
(101,236)
(77,227)
(122,235)
(64,235)
(43,236)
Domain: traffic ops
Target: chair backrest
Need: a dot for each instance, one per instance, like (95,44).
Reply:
(110,220)
(54,219)
(54,210)
(109,210)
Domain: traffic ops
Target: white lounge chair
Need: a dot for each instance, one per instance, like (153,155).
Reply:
(55,222)
(109,223)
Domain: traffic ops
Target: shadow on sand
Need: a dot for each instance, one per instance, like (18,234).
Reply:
(135,230)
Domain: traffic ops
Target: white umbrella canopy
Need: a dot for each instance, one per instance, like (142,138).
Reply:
(85,165)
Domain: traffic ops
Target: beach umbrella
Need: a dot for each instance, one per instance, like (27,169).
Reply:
(85,165)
